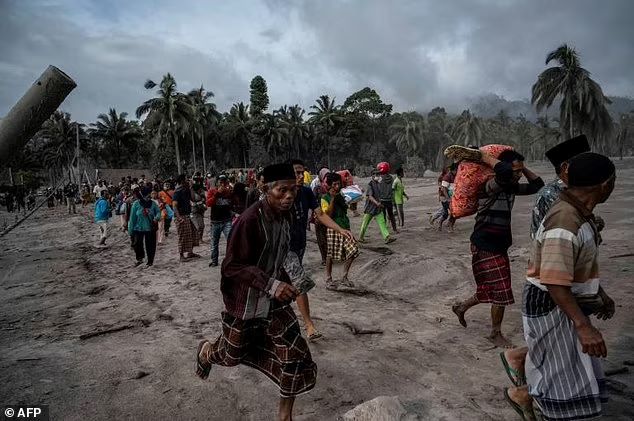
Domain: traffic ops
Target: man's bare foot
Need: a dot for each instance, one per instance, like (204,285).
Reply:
(460,311)
(499,340)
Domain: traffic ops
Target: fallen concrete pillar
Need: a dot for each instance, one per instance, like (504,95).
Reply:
(28,114)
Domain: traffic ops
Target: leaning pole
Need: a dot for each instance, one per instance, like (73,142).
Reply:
(27,115)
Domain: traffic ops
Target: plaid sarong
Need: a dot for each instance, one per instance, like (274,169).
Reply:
(187,236)
(564,382)
(492,274)
(273,346)
(340,248)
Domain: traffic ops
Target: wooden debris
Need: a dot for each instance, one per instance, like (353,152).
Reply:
(614,371)
(105,331)
(360,331)
(622,255)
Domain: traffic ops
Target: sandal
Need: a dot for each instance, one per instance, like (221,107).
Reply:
(347,282)
(314,336)
(517,378)
(459,153)
(526,412)
(202,370)
(331,285)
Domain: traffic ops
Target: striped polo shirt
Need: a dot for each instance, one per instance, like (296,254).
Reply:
(565,249)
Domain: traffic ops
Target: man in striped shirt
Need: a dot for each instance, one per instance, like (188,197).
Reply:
(563,372)
(492,236)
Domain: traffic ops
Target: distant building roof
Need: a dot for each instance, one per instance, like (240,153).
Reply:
(114,175)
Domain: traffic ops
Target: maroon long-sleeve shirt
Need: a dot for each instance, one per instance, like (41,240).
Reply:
(253,265)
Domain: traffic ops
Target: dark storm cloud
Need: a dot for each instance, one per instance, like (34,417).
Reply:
(416,54)
(109,69)
(490,46)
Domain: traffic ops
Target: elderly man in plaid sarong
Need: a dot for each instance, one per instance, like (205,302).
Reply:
(259,327)
(492,237)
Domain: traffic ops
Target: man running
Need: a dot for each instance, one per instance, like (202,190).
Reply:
(492,237)
(259,327)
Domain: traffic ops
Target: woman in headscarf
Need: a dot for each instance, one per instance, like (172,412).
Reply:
(142,227)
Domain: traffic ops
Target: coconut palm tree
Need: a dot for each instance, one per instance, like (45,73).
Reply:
(292,119)
(240,124)
(170,113)
(438,136)
(583,105)
(546,134)
(468,129)
(407,133)
(273,133)
(117,136)
(205,117)
(326,117)
(59,143)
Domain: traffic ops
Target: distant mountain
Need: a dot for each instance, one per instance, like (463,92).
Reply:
(490,105)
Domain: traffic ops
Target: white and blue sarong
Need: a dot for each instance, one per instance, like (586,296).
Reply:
(565,383)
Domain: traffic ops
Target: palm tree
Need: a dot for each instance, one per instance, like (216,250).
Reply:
(292,119)
(326,117)
(59,147)
(117,136)
(169,113)
(407,133)
(272,131)
(206,117)
(583,105)
(547,135)
(468,129)
(240,124)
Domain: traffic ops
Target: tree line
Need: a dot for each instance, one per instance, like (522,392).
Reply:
(182,132)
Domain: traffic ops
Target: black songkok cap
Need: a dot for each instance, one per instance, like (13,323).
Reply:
(566,150)
(589,169)
(277,172)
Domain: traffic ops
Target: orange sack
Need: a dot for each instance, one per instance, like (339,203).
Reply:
(469,180)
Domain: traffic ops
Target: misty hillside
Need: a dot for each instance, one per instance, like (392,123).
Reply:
(490,105)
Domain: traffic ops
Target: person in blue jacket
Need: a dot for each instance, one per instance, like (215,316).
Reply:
(142,227)
(102,214)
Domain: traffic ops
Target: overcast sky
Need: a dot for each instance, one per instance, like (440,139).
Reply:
(416,54)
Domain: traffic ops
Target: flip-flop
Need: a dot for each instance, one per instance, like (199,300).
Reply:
(314,336)
(459,153)
(515,376)
(202,371)
(526,413)
(347,282)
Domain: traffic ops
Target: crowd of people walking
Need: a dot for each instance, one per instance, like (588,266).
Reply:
(266,216)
